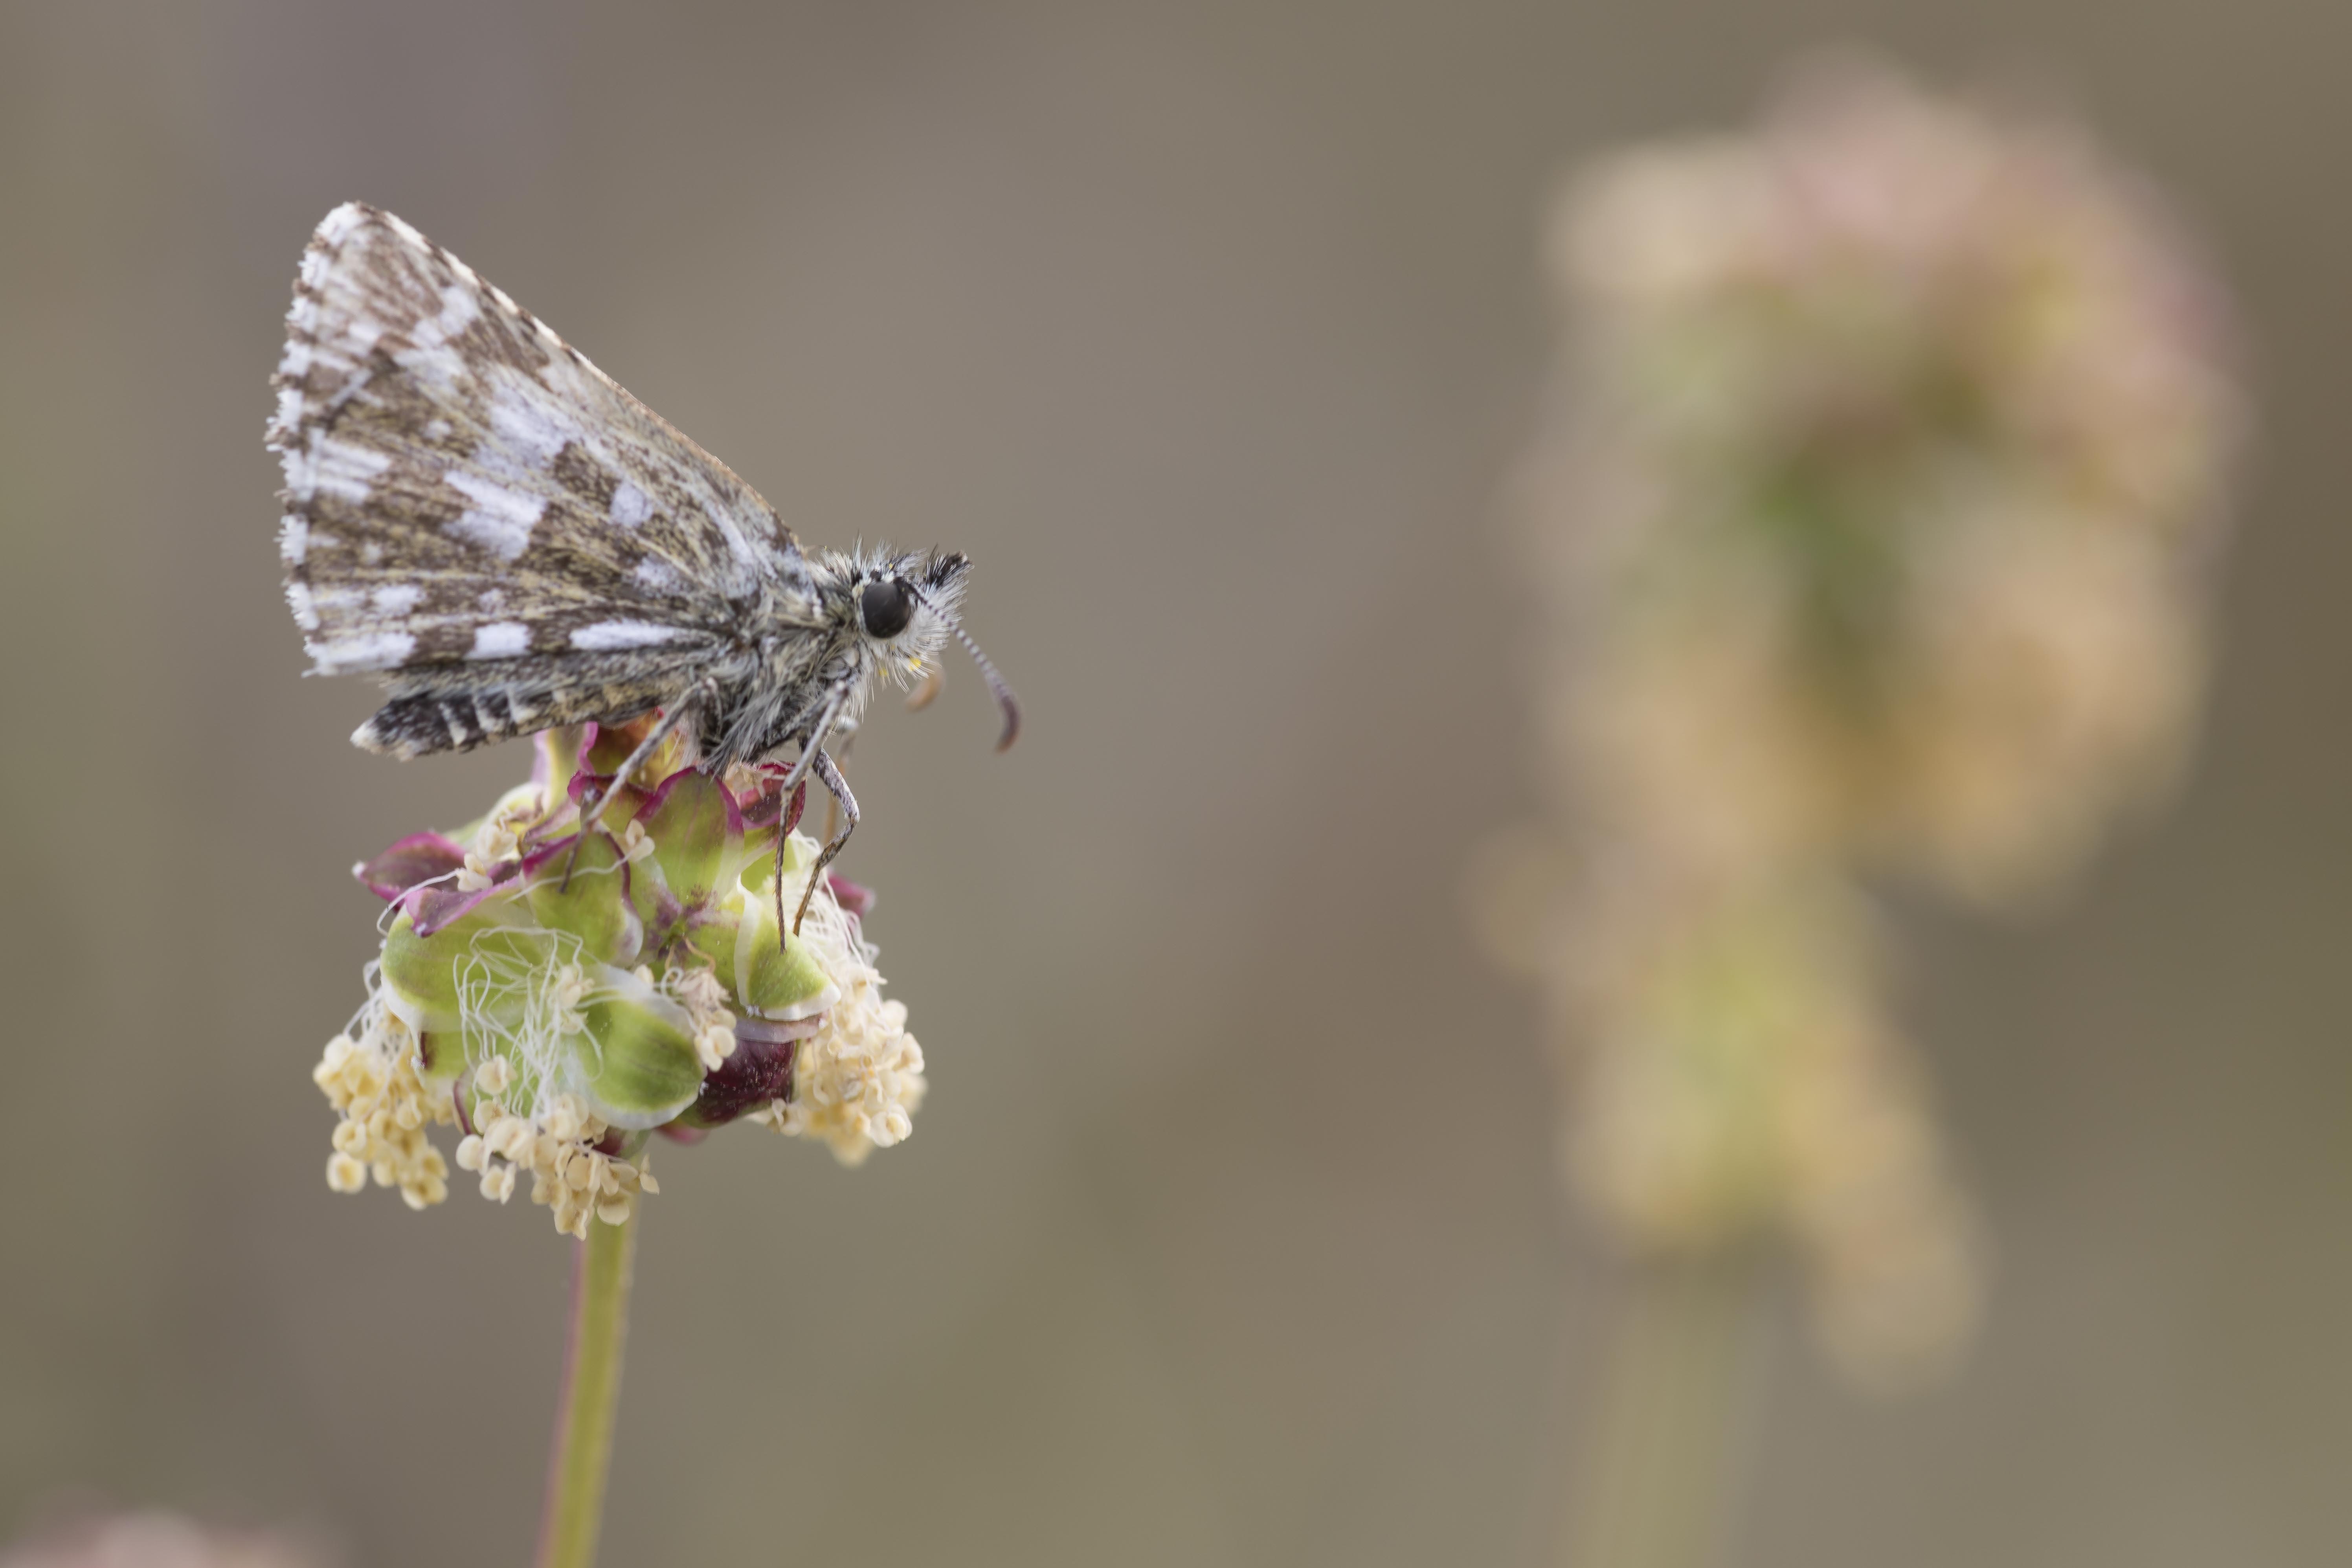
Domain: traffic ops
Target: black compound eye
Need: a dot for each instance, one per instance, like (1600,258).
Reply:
(886,607)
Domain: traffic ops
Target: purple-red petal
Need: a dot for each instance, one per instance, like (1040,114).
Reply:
(766,810)
(854,898)
(434,908)
(758,1071)
(420,857)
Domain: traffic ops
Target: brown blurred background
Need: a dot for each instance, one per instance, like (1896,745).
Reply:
(1231,1232)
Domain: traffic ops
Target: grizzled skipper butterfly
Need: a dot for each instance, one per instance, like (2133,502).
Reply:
(486,522)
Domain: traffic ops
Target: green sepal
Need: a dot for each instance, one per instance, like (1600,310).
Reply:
(781,981)
(593,908)
(696,832)
(755,868)
(635,1063)
(420,973)
(559,759)
(713,937)
(440,1056)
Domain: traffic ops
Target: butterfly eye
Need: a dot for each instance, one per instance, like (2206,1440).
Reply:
(886,607)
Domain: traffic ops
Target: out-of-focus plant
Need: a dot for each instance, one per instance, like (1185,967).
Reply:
(1869,536)
(559,1002)
(155,1539)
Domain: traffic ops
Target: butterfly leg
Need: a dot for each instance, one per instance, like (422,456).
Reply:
(811,748)
(829,776)
(837,753)
(592,806)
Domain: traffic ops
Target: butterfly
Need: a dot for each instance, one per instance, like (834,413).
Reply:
(491,526)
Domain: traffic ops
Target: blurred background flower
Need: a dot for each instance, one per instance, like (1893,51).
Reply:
(1871,537)
(1891,459)
(155,1540)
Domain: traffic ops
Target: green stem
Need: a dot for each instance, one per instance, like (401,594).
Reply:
(1661,1461)
(592,1390)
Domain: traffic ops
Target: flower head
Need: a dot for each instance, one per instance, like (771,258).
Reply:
(558,997)
(1895,448)
(154,1539)
(1870,537)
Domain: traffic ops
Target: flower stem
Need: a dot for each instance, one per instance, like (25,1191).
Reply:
(1662,1460)
(591,1390)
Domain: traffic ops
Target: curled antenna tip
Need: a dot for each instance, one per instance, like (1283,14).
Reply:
(996,687)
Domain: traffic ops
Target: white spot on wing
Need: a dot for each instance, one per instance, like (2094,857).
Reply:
(500,520)
(432,360)
(500,640)
(297,599)
(738,545)
(367,650)
(396,599)
(336,469)
(289,396)
(631,506)
(336,355)
(606,635)
(459,310)
(529,431)
(655,575)
(293,539)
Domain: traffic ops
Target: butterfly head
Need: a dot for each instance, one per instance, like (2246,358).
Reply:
(906,609)
(907,603)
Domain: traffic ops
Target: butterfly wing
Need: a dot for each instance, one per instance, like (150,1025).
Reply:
(483,519)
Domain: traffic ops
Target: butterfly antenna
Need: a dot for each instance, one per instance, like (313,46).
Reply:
(996,687)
